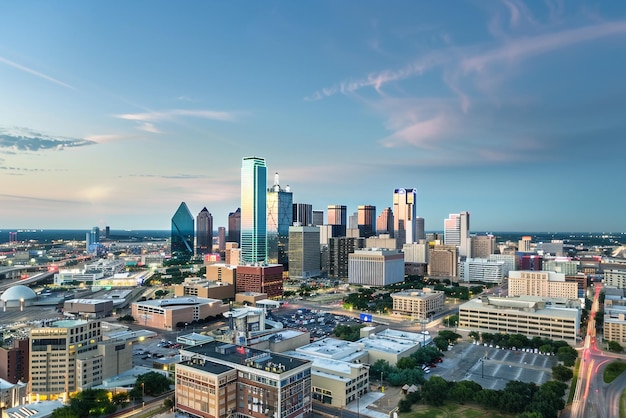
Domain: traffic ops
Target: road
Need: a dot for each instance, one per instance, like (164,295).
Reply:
(594,398)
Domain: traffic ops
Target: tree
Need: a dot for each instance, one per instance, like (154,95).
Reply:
(381,366)
(562,373)
(435,391)
(475,335)
(406,363)
(154,383)
(120,398)
(615,347)
(567,355)
(126,318)
(441,343)
(464,391)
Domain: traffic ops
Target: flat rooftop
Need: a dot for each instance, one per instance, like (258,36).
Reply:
(327,367)
(331,348)
(207,366)
(387,345)
(245,356)
(521,306)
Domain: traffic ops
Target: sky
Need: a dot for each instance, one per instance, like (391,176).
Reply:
(113,113)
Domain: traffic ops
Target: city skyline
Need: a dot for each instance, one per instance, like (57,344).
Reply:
(114,114)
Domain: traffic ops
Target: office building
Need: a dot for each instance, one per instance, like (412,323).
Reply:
(481,270)
(615,324)
(525,244)
(384,222)
(261,279)
(304,252)
(547,284)
(529,262)
(92,237)
(338,217)
(404,215)
(615,277)
(206,289)
(222,272)
(204,232)
(483,246)
(302,214)
(267,384)
(456,232)
(553,248)
(318,217)
(443,261)
(353,222)
(69,356)
(253,211)
(416,252)
(366,220)
(418,304)
(14,360)
(372,267)
(420,232)
(279,219)
(526,315)
(381,241)
(182,233)
(221,239)
(509,261)
(563,265)
(172,313)
(234,226)
(339,248)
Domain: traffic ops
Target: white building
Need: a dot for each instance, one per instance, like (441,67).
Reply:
(372,267)
(416,252)
(547,284)
(508,259)
(481,270)
(616,278)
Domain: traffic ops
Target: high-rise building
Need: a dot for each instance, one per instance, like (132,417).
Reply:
(525,244)
(384,222)
(234,226)
(338,217)
(318,217)
(404,214)
(204,232)
(182,233)
(420,232)
(483,246)
(456,232)
(302,214)
(374,267)
(442,261)
(92,239)
(339,249)
(221,238)
(279,219)
(366,218)
(353,221)
(260,279)
(304,252)
(253,211)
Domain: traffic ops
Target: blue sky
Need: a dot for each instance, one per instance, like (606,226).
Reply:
(112,113)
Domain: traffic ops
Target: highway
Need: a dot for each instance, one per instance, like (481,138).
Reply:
(594,398)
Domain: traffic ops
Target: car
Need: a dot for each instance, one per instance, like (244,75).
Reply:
(439,360)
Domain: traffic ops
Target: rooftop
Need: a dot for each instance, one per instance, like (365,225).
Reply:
(207,366)
(245,356)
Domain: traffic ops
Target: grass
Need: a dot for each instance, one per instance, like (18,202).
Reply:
(622,405)
(572,387)
(452,411)
(613,370)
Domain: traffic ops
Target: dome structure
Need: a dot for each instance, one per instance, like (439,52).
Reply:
(13,296)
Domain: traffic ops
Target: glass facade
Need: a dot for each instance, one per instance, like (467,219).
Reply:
(279,219)
(253,211)
(204,232)
(404,214)
(182,233)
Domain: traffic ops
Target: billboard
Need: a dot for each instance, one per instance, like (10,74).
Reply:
(365,317)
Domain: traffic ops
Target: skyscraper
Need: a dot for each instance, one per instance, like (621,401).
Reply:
(404,213)
(338,218)
(279,219)
(234,226)
(253,210)
(456,232)
(303,214)
(384,222)
(182,233)
(221,238)
(204,232)
(366,220)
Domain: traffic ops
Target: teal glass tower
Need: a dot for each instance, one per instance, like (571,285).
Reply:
(182,233)
(253,211)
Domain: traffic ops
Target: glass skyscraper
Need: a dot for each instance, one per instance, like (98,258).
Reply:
(182,233)
(279,219)
(253,211)
(204,232)
(404,214)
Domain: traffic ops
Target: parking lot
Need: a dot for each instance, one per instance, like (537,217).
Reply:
(318,323)
(493,367)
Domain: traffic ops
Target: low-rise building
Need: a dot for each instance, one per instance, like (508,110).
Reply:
(527,315)
(615,324)
(547,284)
(481,270)
(208,289)
(247,382)
(167,314)
(419,304)
(88,308)
(374,267)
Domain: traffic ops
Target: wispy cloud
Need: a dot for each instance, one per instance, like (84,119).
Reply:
(148,127)
(172,114)
(35,73)
(24,139)
(102,138)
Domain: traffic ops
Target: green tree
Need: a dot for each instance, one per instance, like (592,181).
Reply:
(64,412)
(464,391)
(406,363)
(435,391)
(154,383)
(474,335)
(567,355)
(615,347)
(441,343)
(381,366)
(562,373)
